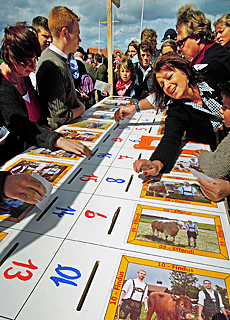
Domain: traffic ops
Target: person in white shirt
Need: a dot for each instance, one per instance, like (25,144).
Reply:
(133,293)
(143,82)
(192,232)
(210,302)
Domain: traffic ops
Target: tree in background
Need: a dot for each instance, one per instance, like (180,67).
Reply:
(184,284)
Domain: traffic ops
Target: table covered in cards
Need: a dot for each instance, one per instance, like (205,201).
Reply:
(101,224)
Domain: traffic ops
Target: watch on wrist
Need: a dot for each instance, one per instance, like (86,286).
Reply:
(137,107)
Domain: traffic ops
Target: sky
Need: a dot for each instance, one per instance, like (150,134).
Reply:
(159,15)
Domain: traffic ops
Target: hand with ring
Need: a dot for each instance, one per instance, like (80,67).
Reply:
(147,167)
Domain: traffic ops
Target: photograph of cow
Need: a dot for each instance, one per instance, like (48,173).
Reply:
(169,228)
(184,163)
(173,189)
(172,295)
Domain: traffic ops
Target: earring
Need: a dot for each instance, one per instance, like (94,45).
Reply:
(188,83)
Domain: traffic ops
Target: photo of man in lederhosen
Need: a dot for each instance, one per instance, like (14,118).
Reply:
(133,294)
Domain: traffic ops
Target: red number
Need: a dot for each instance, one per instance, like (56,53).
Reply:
(19,274)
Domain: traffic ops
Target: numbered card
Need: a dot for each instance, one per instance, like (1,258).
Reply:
(24,258)
(61,213)
(70,284)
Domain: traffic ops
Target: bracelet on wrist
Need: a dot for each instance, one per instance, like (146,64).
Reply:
(137,106)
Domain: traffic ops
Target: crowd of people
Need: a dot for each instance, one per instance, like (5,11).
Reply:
(47,80)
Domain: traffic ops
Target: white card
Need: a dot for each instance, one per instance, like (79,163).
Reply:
(100,85)
(42,204)
(198,175)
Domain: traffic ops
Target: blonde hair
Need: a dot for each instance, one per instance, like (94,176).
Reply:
(61,17)
(224,20)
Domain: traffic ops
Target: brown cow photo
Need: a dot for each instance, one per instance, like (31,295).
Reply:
(152,290)
(156,227)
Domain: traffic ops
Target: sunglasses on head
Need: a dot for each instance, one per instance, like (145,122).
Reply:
(180,43)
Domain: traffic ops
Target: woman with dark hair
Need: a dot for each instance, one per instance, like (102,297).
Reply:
(192,108)
(132,49)
(20,111)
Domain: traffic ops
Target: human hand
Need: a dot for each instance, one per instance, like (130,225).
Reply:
(84,95)
(215,191)
(73,146)
(147,167)
(24,187)
(198,152)
(104,92)
(124,112)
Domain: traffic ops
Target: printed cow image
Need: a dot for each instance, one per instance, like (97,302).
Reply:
(168,307)
(161,189)
(168,227)
(158,189)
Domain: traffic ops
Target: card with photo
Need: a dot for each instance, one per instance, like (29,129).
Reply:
(179,231)
(105,108)
(43,152)
(181,190)
(92,124)
(3,235)
(51,171)
(100,115)
(169,291)
(80,135)
(14,210)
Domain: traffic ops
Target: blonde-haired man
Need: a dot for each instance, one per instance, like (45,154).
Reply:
(54,80)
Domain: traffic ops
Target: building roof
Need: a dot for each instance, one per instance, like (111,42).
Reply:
(104,51)
(157,288)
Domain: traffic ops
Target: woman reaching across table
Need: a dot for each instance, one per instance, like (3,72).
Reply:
(192,108)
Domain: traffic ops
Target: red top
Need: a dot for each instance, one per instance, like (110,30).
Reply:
(33,107)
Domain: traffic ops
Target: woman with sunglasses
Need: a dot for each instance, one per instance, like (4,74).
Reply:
(20,111)
(192,108)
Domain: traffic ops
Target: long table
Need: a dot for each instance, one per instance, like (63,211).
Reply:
(71,260)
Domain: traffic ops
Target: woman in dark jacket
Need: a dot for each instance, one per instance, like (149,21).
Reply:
(192,108)
(20,111)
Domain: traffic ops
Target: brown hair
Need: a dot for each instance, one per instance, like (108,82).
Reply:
(151,36)
(59,18)
(98,57)
(145,46)
(169,43)
(134,44)
(127,64)
(195,22)
(206,280)
(20,43)
(40,22)
(170,61)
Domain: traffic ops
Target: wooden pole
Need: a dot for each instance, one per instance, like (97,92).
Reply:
(110,42)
